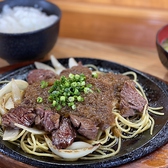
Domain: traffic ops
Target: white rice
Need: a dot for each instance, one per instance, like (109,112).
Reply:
(24,19)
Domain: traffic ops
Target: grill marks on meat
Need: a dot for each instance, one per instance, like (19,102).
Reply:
(65,135)
(131,101)
(21,115)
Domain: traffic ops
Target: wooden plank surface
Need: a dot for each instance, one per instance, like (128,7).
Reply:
(117,22)
(150,4)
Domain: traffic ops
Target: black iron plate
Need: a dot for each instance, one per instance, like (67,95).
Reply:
(133,149)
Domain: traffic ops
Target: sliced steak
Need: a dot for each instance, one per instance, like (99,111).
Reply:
(21,115)
(38,75)
(76,70)
(131,101)
(84,126)
(47,119)
(64,136)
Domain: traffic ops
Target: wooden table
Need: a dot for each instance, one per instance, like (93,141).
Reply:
(143,59)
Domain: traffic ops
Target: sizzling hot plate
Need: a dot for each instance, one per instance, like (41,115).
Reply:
(157,94)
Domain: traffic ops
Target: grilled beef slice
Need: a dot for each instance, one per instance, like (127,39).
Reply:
(21,115)
(84,126)
(38,75)
(76,70)
(131,101)
(47,119)
(64,135)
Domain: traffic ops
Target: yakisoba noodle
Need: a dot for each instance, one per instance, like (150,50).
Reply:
(110,139)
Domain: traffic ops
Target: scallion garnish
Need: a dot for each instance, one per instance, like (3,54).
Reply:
(67,91)
(39,99)
(43,84)
(94,74)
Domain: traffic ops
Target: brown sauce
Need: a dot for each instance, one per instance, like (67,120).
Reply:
(97,106)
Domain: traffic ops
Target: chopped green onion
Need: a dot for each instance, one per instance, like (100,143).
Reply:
(89,85)
(83,83)
(59,107)
(43,84)
(71,76)
(62,98)
(39,99)
(67,84)
(73,84)
(82,77)
(80,98)
(67,91)
(76,92)
(87,90)
(77,77)
(94,74)
(63,79)
(54,103)
(73,106)
(63,104)
(71,99)
(70,104)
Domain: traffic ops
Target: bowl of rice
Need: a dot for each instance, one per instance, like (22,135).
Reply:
(28,29)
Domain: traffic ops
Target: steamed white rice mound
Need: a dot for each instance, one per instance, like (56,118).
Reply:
(24,19)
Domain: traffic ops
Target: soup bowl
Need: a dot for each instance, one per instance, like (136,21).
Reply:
(162,45)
